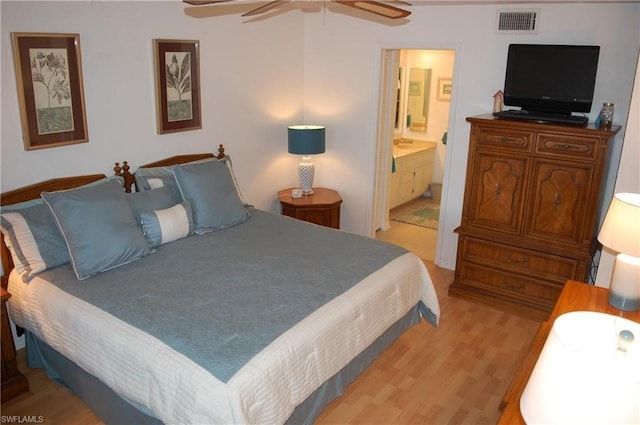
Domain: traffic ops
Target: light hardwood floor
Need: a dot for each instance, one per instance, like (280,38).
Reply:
(453,374)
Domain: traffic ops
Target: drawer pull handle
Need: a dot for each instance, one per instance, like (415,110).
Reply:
(505,139)
(498,191)
(524,260)
(565,146)
(513,287)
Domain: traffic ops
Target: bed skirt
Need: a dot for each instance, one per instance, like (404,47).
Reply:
(113,409)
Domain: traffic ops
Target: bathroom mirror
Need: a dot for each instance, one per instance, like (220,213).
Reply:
(413,99)
(418,99)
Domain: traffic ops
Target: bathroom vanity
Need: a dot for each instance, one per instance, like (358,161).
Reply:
(413,169)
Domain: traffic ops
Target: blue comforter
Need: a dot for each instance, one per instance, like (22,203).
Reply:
(222,297)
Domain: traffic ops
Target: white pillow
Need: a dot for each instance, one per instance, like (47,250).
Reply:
(155,183)
(168,225)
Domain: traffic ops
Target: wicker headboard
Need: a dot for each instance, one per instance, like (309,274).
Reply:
(33,191)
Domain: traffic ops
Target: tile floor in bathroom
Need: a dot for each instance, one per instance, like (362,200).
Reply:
(419,240)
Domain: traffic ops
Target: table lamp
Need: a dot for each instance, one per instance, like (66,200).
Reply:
(306,140)
(620,232)
(588,372)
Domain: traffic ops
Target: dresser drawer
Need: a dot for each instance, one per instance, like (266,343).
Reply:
(509,139)
(517,287)
(518,260)
(567,146)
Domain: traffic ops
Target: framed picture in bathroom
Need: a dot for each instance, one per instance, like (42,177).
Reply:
(445,88)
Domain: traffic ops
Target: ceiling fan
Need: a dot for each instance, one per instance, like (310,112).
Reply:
(377,7)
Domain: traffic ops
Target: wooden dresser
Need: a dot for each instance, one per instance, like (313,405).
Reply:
(530,214)
(576,296)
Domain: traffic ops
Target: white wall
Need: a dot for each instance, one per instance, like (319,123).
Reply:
(260,76)
(251,84)
(628,178)
(342,79)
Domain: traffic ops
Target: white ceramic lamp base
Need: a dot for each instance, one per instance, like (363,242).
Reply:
(306,170)
(624,293)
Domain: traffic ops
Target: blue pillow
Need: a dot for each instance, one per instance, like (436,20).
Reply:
(155,177)
(150,200)
(32,237)
(227,161)
(210,189)
(167,225)
(99,227)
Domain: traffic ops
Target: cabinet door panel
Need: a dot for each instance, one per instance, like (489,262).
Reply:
(406,185)
(421,180)
(497,200)
(560,193)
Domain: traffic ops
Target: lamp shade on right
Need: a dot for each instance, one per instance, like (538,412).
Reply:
(620,230)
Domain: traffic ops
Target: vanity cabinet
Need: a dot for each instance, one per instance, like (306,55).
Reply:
(412,176)
(530,211)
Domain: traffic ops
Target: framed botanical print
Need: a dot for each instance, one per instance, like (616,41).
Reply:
(50,89)
(177,85)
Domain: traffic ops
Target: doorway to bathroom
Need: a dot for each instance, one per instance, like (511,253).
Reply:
(415,101)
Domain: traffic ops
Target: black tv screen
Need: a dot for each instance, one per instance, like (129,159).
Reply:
(551,79)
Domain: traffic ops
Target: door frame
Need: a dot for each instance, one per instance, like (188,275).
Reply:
(383,153)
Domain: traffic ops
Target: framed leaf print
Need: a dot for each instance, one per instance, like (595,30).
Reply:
(177,85)
(50,89)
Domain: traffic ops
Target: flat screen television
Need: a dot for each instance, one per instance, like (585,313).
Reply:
(550,82)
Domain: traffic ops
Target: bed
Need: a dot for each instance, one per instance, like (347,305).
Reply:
(210,310)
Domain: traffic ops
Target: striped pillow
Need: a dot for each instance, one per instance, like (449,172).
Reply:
(168,225)
(33,238)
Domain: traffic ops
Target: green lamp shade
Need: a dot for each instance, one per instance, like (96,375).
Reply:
(306,139)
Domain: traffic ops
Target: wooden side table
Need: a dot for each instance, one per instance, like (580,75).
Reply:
(322,207)
(13,382)
(575,296)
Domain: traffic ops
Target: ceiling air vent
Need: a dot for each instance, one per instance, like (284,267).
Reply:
(518,21)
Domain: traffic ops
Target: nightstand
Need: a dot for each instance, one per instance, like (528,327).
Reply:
(575,296)
(13,382)
(322,207)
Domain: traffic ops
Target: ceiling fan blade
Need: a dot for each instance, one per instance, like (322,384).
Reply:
(201,2)
(377,7)
(406,3)
(264,8)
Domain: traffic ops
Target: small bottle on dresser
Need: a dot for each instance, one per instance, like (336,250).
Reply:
(606,115)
